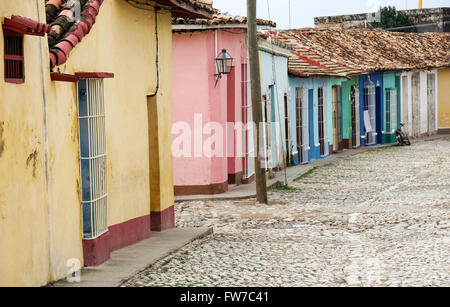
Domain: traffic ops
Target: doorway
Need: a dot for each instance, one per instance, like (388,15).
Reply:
(356,128)
(312,141)
(301,126)
(338,140)
(431,100)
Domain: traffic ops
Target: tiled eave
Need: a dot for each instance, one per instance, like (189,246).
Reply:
(185,28)
(181,8)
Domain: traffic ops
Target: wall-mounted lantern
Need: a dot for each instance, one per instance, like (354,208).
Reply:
(224,62)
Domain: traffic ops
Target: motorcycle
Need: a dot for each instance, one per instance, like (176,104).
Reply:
(401,137)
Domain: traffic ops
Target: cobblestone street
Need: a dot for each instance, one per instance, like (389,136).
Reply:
(379,218)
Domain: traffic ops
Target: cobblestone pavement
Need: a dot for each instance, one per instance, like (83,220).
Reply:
(380,218)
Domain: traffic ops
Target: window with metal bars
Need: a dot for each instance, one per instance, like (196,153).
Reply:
(321,122)
(286,129)
(299,121)
(354,96)
(369,113)
(92,134)
(13,56)
(391,110)
(246,118)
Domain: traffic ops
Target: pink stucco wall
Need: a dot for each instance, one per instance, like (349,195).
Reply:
(194,93)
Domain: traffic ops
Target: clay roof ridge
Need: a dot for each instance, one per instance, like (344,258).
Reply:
(67,32)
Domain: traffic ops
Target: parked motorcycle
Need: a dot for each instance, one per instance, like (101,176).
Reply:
(402,138)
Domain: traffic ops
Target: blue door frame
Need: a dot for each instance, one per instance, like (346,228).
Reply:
(377,79)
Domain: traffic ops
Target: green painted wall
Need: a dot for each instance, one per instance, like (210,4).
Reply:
(347,106)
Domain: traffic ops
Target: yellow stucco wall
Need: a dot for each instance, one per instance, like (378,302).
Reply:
(23,211)
(122,42)
(444,98)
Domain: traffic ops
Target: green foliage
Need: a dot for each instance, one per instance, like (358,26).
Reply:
(391,18)
(281,187)
(311,171)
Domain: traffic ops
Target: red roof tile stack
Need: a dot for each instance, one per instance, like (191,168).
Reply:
(67,30)
(220,19)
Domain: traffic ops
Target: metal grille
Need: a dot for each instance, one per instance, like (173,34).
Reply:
(369,109)
(267,119)
(322,122)
(391,110)
(415,84)
(94,194)
(405,104)
(356,128)
(337,118)
(300,123)
(248,149)
(431,100)
(14,59)
(287,138)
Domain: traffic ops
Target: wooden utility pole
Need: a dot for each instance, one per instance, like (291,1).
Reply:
(255,80)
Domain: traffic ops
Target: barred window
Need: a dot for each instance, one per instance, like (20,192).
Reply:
(13,57)
(92,134)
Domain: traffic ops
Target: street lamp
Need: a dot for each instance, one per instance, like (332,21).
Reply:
(224,62)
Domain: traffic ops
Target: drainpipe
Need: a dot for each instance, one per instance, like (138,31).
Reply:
(44,99)
(420,4)
(157,52)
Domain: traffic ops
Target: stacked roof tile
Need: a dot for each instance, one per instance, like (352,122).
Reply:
(374,50)
(220,19)
(68,29)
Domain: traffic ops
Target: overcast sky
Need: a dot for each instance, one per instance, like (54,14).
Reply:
(304,11)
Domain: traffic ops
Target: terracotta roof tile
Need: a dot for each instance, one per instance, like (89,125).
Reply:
(220,19)
(307,62)
(66,30)
(375,50)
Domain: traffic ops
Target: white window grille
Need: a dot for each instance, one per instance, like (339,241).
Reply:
(356,128)
(369,113)
(92,136)
(287,130)
(415,85)
(247,117)
(431,101)
(267,133)
(391,110)
(323,123)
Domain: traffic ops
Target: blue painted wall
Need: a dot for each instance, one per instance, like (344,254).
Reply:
(377,79)
(311,85)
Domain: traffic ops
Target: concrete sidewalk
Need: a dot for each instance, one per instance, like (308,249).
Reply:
(236,192)
(128,261)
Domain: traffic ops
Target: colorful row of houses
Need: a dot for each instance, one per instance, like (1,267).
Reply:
(94,95)
(323,91)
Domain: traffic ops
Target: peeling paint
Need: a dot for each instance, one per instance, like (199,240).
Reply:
(32,158)
(2,141)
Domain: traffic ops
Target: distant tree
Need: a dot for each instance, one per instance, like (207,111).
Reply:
(393,19)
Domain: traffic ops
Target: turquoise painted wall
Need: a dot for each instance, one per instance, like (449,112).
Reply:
(391,80)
